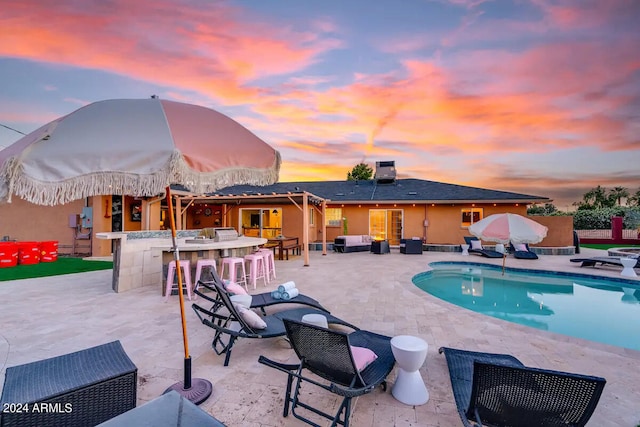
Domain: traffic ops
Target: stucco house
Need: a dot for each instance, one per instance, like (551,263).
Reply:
(385,207)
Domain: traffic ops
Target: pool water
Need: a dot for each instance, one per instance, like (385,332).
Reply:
(602,310)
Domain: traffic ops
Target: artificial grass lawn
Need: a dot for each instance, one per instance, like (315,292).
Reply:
(61,266)
(605,246)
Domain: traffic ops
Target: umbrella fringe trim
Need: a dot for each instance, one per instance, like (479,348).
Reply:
(121,183)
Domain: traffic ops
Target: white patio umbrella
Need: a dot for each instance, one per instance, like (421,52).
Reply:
(508,227)
(137,147)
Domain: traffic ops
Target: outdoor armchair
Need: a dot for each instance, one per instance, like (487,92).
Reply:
(498,390)
(224,314)
(329,354)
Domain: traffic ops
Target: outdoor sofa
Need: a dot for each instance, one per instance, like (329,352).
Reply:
(352,243)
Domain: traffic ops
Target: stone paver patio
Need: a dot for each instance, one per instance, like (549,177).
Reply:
(47,317)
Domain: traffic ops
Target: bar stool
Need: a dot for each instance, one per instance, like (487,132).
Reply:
(256,268)
(234,265)
(202,263)
(269,263)
(186,278)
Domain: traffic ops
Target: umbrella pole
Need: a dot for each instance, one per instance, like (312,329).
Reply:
(504,260)
(197,390)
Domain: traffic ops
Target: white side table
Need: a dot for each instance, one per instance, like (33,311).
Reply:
(499,248)
(465,249)
(410,352)
(316,319)
(628,264)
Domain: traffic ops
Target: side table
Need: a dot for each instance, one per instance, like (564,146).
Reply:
(168,410)
(410,353)
(628,264)
(380,247)
(465,249)
(77,389)
(316,319)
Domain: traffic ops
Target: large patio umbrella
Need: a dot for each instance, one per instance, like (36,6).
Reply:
(508,227)
(137,147)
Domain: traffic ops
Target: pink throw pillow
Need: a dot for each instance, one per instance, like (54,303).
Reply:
(235,289)
(520,247)
(362,356)
(250,317)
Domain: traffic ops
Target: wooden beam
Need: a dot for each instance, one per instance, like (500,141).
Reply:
(305,230)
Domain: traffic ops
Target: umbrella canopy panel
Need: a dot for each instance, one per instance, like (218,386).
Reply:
(134,147)
(508,227)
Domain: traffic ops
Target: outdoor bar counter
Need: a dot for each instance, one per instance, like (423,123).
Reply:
(140,258)
(192,252)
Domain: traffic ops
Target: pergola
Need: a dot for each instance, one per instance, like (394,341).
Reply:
(300,199)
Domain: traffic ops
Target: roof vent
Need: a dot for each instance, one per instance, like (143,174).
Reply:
(385,171)
(413,193)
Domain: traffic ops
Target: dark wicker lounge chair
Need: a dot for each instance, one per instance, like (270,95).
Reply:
(259,301)
(526,254)
(224,313)
(327,354)
(498,390)
(602,260)
(484,252)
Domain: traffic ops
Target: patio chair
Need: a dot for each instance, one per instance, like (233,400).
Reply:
(498,390)
(229,324)
(481,251)
(329,354)
(522,251)
(258,301)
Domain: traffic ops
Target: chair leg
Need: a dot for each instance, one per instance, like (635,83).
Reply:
(287,396)
(228,353)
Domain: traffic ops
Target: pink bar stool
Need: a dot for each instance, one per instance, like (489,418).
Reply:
(186,278)
(234,266)
(256,268)
(203,263)
(269,263)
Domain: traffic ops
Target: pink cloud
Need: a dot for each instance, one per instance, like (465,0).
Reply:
(217,50)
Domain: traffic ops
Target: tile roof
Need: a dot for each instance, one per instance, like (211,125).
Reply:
(401,190)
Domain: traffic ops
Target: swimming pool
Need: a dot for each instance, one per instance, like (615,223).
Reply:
(596,309)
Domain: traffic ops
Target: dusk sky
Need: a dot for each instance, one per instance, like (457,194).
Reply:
(534,96)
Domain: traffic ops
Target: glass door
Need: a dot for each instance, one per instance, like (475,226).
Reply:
(386,224)
(394,226)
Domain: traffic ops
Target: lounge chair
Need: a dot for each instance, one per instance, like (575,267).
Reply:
(602,260)
(328,354)
(522,251)
(498,390)
(481,251)
(224,313)
(258,301)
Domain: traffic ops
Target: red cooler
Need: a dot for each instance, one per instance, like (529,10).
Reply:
(49,251)
(8,254)
(28,253)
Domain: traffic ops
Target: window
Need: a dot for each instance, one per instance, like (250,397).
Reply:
(333,217)
(470,216)
(312,216)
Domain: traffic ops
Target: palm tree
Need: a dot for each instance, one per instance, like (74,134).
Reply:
(617,194)
(634,200)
